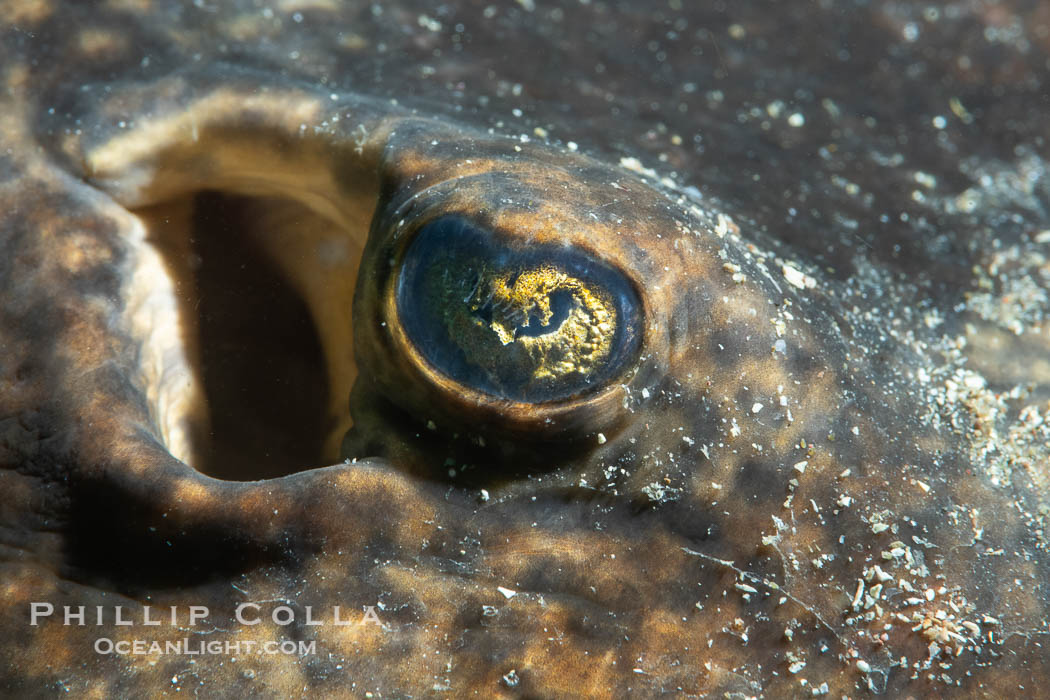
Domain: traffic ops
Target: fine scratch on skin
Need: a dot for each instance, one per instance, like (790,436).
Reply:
(803,249)
(772,586)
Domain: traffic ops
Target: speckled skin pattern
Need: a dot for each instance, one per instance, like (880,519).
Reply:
(825,473)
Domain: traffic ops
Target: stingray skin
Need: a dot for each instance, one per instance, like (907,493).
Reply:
(824,473)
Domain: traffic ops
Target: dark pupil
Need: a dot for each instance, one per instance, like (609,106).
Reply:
(533,326)
(561,302)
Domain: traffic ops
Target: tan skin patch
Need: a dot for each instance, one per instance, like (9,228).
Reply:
(16,77)
(141,6)
(79,253)
(26,12)
(249,27)
(100,44)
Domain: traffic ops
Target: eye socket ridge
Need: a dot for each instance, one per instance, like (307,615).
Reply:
(532,323)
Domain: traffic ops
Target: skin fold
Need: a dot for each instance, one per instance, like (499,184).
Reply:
(821,470)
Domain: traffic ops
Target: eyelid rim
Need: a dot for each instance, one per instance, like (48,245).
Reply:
(431,393)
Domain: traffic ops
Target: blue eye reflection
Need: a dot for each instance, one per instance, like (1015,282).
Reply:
(522,323)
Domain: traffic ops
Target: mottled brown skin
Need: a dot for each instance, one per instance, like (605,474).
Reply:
(698,527)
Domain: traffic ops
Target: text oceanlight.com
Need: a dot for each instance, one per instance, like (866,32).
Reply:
(197,647)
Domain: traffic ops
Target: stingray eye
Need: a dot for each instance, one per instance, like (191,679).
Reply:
(522,323)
